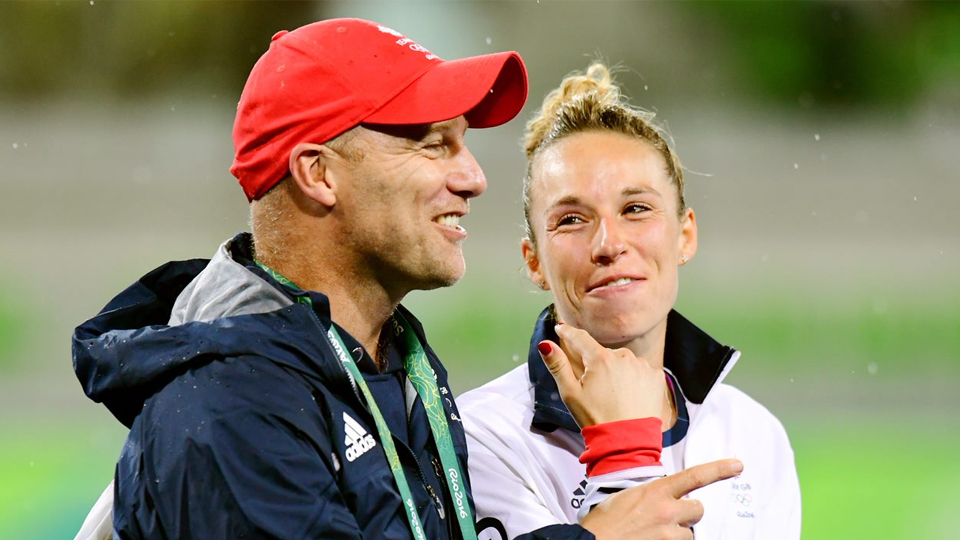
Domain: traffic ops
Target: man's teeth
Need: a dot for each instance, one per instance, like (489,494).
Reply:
(621,281)
(449,220)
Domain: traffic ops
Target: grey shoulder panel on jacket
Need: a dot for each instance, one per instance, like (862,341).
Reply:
(225,288)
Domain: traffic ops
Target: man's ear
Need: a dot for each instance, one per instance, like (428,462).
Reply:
(533,264)
(309,170)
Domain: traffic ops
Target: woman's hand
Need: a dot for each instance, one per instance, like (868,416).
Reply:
(612,384)
(658,510)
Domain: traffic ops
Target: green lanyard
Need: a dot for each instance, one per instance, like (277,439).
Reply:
(424,380)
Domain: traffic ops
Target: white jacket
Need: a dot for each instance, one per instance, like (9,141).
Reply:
(524,446)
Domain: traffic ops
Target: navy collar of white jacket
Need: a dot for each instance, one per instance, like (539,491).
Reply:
(696,360)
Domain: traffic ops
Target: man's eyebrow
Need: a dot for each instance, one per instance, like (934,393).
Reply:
(441,126)
(413,132)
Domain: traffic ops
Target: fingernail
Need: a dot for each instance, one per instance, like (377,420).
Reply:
(735,468)
(544,348)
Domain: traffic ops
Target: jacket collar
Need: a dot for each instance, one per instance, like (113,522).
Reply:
(238,252)
(185,314)
(697,362)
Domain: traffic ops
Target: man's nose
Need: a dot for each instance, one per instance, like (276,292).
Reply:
(467,180)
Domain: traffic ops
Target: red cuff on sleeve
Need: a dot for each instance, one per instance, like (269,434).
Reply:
(625,444)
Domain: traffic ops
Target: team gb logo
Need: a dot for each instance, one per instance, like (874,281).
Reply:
(407,42)
(387,30)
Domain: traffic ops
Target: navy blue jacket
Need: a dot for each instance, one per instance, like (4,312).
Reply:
(237,409)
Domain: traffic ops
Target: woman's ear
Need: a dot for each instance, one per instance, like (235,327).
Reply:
(688,236)
(533,264)
(312,175)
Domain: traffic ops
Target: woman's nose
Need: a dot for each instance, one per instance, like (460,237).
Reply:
(608,243)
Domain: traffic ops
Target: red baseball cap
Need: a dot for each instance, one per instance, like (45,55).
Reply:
(322,79)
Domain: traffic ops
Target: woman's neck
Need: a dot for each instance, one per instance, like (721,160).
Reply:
(650,346)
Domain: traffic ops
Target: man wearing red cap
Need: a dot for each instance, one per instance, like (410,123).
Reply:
(280,390)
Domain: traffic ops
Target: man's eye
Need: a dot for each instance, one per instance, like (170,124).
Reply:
(636,208)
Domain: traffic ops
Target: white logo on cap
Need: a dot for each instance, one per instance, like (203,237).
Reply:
(407,42)
(388,30)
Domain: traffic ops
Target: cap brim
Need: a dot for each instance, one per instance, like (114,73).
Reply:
(488,90)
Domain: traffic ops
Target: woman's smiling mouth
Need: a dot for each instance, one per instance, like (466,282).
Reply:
(612,283)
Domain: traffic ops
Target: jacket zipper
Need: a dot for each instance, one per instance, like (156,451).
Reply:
(353,383)
(442,479)
(423,480)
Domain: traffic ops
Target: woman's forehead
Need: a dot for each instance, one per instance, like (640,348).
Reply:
(598,164)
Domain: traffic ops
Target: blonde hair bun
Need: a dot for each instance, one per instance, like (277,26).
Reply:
(593,89)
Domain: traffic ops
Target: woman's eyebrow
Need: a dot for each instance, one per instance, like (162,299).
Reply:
(573,200)
(639,190)
(568,200)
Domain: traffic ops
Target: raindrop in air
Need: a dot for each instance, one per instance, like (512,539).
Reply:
(816,136)
(489,40)
(15,146)
(796,165)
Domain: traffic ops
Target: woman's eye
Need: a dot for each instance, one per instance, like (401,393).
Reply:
(569,220)
(636,208)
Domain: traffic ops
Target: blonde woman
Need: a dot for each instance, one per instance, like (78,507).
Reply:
(641,386)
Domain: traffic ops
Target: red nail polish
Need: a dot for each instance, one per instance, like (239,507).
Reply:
(544,348)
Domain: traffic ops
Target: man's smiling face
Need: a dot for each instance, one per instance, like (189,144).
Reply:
(402,194)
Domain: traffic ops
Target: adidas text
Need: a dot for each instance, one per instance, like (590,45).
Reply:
(357,439)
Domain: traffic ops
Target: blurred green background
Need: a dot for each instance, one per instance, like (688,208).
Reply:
(822,147)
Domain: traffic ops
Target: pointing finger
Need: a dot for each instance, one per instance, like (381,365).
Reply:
(683,482)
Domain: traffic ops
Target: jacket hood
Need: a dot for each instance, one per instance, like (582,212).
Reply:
(188,313)
(696,361)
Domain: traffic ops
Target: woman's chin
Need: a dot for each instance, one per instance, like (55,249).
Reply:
(610,337)
(613,332)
